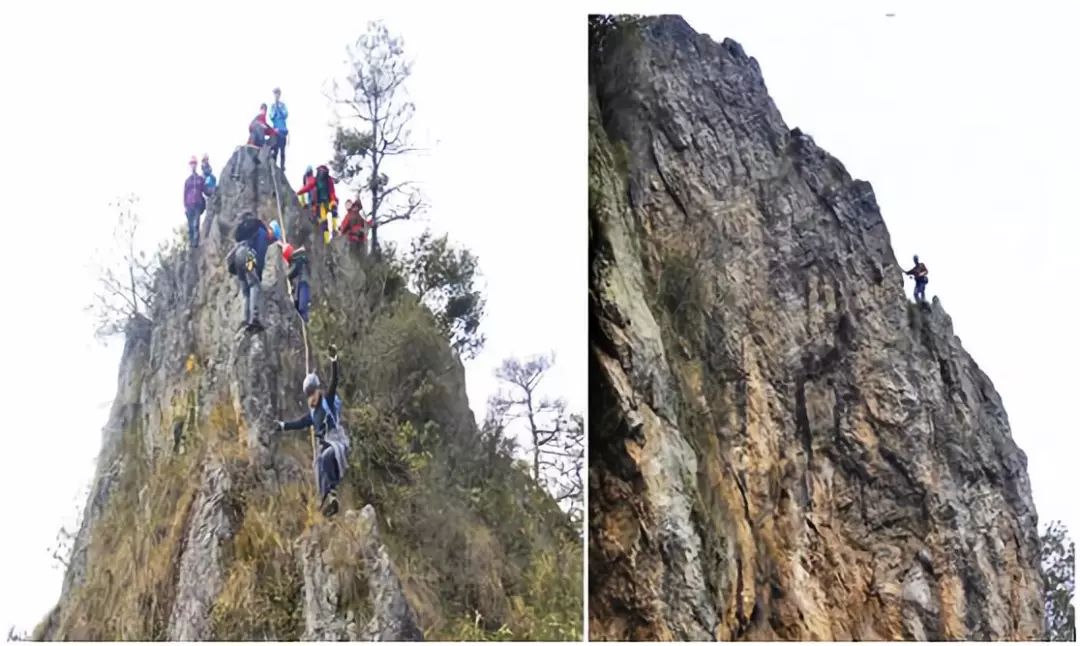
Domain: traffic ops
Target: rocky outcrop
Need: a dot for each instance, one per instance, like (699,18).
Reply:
(781,445)
(331,561)
(185,379)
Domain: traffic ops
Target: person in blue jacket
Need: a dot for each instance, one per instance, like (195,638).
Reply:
(278,115)
(209,181)
(324,414)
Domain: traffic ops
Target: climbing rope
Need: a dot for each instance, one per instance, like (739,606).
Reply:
(303,325)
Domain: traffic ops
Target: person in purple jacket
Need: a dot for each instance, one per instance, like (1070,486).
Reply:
(194,202)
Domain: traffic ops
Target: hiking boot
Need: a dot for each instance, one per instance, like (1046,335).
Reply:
(255,326)
(330,504)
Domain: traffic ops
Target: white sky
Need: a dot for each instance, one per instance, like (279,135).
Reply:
(964,121)
(106,98)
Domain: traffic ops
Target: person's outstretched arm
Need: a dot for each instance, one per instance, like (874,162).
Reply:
(296,424)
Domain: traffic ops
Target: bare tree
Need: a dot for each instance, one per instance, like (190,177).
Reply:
(558,438)
(374,102)
(126,275)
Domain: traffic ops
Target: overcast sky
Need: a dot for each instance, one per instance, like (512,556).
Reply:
(963,118)
(101,99)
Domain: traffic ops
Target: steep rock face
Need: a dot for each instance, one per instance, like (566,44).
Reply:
(781,446)
(181,377)
(327,558)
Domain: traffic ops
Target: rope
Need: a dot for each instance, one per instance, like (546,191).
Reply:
(303,326)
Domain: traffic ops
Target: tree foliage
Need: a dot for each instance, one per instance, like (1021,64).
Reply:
(557,447)
(444,278)
(374,116)
(126,275)
(1059,571)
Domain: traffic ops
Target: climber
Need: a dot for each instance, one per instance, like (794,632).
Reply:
(246,261)
(352,227)
(919,272)
(260,132)
(208,175)
(194,202)
(309,178)
(324,202)
(297,261)
(278,114)
(333,443)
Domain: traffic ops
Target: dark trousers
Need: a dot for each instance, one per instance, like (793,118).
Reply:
(329,476)
(193,213)
(278,148)
(920,289)
(303,300)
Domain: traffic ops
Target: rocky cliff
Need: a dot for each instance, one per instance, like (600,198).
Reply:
(202,523)
(782,446)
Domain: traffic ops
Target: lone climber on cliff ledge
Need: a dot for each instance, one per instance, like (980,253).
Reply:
(919,272)
(324,414)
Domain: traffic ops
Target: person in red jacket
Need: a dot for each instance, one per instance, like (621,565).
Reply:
(324,200)
(260,132)
(353,226)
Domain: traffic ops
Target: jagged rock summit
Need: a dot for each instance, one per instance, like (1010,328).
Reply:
(194,417)
(782,446)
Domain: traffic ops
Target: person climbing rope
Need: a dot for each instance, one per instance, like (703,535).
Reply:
(278,114)
(324,415)
(208,175)
(246,261)
(296,259)
(194,202)
(920,274)
(309,178)
(260,132)
(353,226)
(324,202)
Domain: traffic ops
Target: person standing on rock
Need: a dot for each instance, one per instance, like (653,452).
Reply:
(324,200)
(297,261)
(208,175)
(278,114)
(194,202)
(353,226)
(920,274)
(309,178)
(324,414)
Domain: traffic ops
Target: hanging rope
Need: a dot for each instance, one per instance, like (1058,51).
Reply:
(303,326)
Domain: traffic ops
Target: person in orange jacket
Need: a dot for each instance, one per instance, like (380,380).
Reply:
(324,200)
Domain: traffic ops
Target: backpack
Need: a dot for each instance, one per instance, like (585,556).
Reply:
(246,229)
(335,415)
(322,187)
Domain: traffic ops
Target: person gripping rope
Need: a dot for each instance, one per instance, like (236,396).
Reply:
(299,273)
(332,452)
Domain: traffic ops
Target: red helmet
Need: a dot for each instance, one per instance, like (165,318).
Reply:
(193,160)
(286,252)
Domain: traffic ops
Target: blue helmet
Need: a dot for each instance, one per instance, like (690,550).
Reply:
(276,228)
